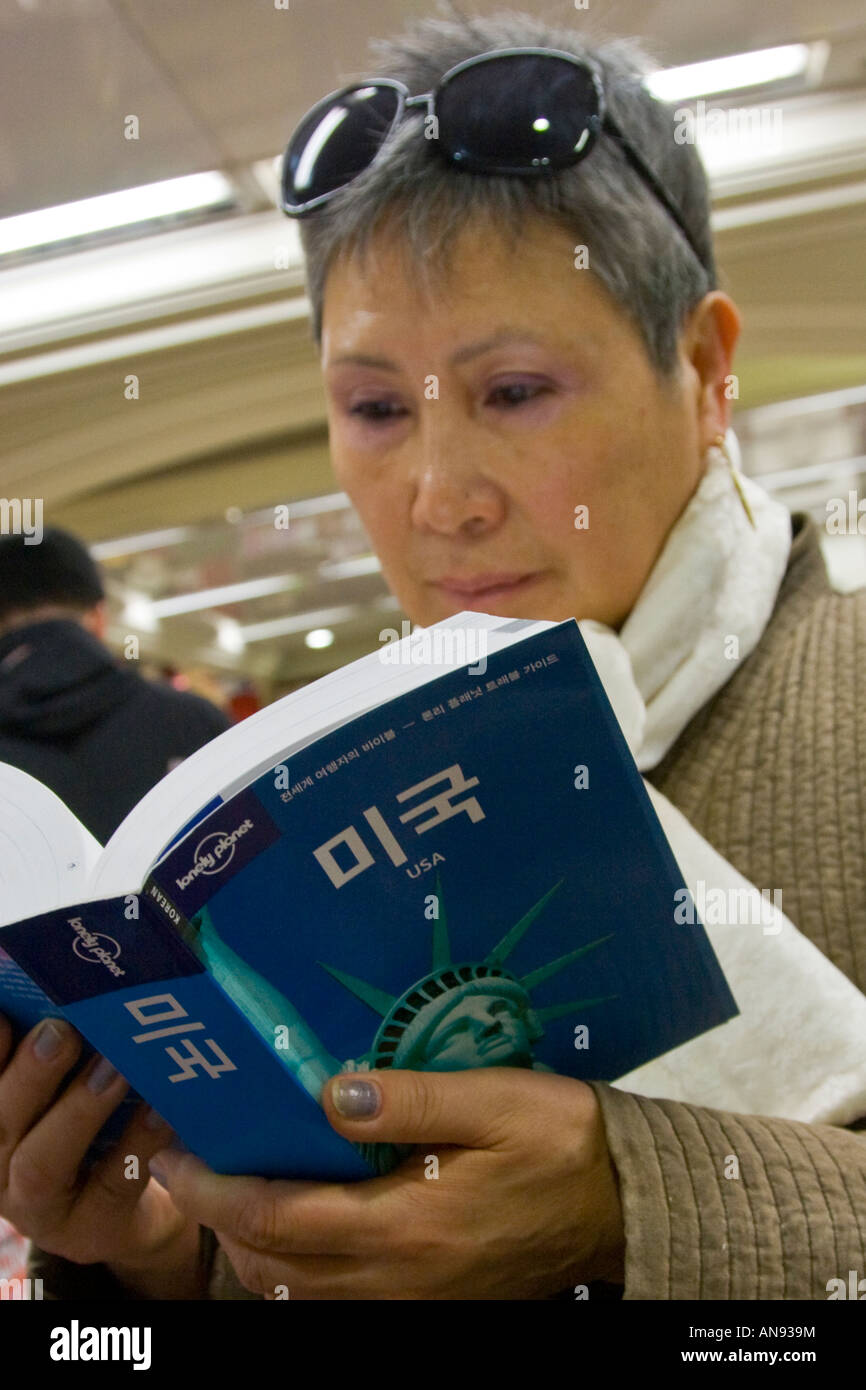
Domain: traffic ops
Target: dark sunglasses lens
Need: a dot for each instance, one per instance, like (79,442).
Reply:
(520,111)
(334,143)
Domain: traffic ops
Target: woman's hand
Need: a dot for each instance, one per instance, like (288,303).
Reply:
(521,1203)
(99,1217)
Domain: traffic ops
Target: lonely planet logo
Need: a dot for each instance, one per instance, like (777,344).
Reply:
(95,946)
(214,852)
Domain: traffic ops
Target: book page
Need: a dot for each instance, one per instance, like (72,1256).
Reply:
(46,854)
(236,757)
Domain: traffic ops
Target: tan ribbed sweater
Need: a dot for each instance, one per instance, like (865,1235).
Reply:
(771,772)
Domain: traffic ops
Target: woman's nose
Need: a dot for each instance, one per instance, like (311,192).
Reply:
(455,484)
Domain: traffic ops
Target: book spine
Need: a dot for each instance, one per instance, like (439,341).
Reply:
(166,911)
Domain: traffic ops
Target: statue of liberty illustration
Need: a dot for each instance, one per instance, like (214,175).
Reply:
(460,1014)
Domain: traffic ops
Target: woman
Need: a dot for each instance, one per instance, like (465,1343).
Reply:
(528,371)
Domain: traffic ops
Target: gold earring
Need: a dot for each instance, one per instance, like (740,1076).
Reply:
(720,444)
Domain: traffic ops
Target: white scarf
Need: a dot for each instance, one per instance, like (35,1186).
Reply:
(798,1047)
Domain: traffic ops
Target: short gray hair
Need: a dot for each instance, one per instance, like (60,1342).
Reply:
(635,248)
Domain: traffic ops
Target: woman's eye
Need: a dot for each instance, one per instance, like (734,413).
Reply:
(516,393)
(377,411)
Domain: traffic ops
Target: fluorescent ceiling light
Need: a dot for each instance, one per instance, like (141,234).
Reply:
(146,540)
(229,636)
(306,506)
(227,593)
(755,69)
(138,613)
(805,405)
(756,214)
(350,569)
(121,209)
(170,335)
(301,622)
(822,473)
(114,284)
(314,506)
(319,637)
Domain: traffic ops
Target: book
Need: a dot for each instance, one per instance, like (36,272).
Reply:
(440,856)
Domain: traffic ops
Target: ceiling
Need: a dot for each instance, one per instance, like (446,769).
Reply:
(220,83)
(230,417)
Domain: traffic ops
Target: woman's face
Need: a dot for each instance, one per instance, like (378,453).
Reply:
(511,428)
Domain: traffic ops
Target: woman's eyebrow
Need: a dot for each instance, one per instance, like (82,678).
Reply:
(501,338)
(363,359)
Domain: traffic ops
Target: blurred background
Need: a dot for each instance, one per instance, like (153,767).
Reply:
(186,278)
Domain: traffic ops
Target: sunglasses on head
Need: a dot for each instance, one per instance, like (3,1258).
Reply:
(514,111)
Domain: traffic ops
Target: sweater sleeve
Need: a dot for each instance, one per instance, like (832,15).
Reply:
(726,1206)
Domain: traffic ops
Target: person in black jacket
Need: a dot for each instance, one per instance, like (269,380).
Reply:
(89,727)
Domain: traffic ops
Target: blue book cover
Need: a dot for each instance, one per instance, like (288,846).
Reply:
(471,874)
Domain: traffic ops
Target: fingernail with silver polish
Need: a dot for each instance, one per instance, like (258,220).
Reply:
(356,1100)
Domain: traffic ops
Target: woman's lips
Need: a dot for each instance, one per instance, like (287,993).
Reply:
(477,598)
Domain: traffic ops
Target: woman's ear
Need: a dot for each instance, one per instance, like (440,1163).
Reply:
(710,339)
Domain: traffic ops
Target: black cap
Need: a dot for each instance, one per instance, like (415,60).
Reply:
(58,569)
